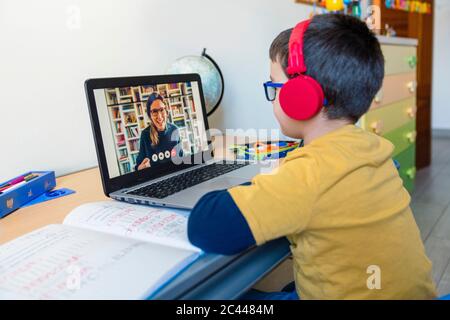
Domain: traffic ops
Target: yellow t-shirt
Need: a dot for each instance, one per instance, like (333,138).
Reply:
(342,205)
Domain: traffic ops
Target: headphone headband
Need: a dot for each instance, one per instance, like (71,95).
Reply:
(296,61)
(302,97)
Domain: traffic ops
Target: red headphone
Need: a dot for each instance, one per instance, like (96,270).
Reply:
(302,97)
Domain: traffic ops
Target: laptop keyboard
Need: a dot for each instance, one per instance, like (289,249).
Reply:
(170,186)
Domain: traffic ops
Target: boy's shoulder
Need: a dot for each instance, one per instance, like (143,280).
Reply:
(329,159)
(349,144)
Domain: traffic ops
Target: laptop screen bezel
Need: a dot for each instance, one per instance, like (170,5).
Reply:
(135,178)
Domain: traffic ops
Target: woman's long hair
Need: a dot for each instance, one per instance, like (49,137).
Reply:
(153,130)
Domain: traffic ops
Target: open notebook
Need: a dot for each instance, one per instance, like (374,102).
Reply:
(104,250)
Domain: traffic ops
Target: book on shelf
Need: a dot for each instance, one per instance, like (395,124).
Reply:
(177,109)
(136,95)
(191,100)
(173,86)
(103,250)
(130,118)
(123,154)
(146,89)
(142,124)
(115,112)
(134,157)
(139,109)
(125,99)
(128,107)
(179,122)
(162,90)
(121,141)
(111,97)
(133,144)
(176,101)
(132,132)
(126,167)
(118,126)
(125,91)
(186,88)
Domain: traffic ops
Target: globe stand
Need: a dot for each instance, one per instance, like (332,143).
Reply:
(204,54)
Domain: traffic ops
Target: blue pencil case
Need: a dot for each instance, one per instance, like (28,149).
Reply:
(19,194)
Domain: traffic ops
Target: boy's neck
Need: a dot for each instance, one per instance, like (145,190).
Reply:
(323,127)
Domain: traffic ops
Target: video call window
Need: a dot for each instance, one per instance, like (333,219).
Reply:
(151,124)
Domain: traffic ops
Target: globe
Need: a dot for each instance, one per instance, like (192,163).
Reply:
(209,71)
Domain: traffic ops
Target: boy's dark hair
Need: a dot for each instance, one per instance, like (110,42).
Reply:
(345,57)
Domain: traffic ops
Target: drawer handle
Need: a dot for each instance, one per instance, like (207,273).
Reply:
(377,127)
(412,136)
(412,112)
(412,61)
(412,86)
(411,173)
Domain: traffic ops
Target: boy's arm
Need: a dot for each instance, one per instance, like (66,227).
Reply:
(217,225)
(273,206)
(280,203)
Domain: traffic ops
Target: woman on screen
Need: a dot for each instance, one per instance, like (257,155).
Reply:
(160,141)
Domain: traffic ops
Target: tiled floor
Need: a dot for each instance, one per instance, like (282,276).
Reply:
(431,207)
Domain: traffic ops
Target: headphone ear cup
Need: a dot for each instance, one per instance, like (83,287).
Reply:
(301,98)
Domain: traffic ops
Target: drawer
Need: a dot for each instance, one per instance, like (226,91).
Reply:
(407,161)
(390,117)
(396,88)
(402,137)
(399,59)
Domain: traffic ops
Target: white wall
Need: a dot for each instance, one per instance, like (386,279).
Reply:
(45,56)
(441,69)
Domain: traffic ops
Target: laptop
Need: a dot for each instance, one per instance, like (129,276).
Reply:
(152,142)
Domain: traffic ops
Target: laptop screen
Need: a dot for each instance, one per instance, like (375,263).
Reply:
(145,126)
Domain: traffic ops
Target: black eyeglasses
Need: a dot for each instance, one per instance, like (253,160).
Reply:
(270,88)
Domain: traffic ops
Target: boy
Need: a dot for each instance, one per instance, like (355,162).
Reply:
(339,200)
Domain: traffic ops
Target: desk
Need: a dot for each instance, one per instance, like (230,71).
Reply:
(211,277)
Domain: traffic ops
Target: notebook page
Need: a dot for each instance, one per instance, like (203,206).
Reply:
(63,262)
(150,224)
